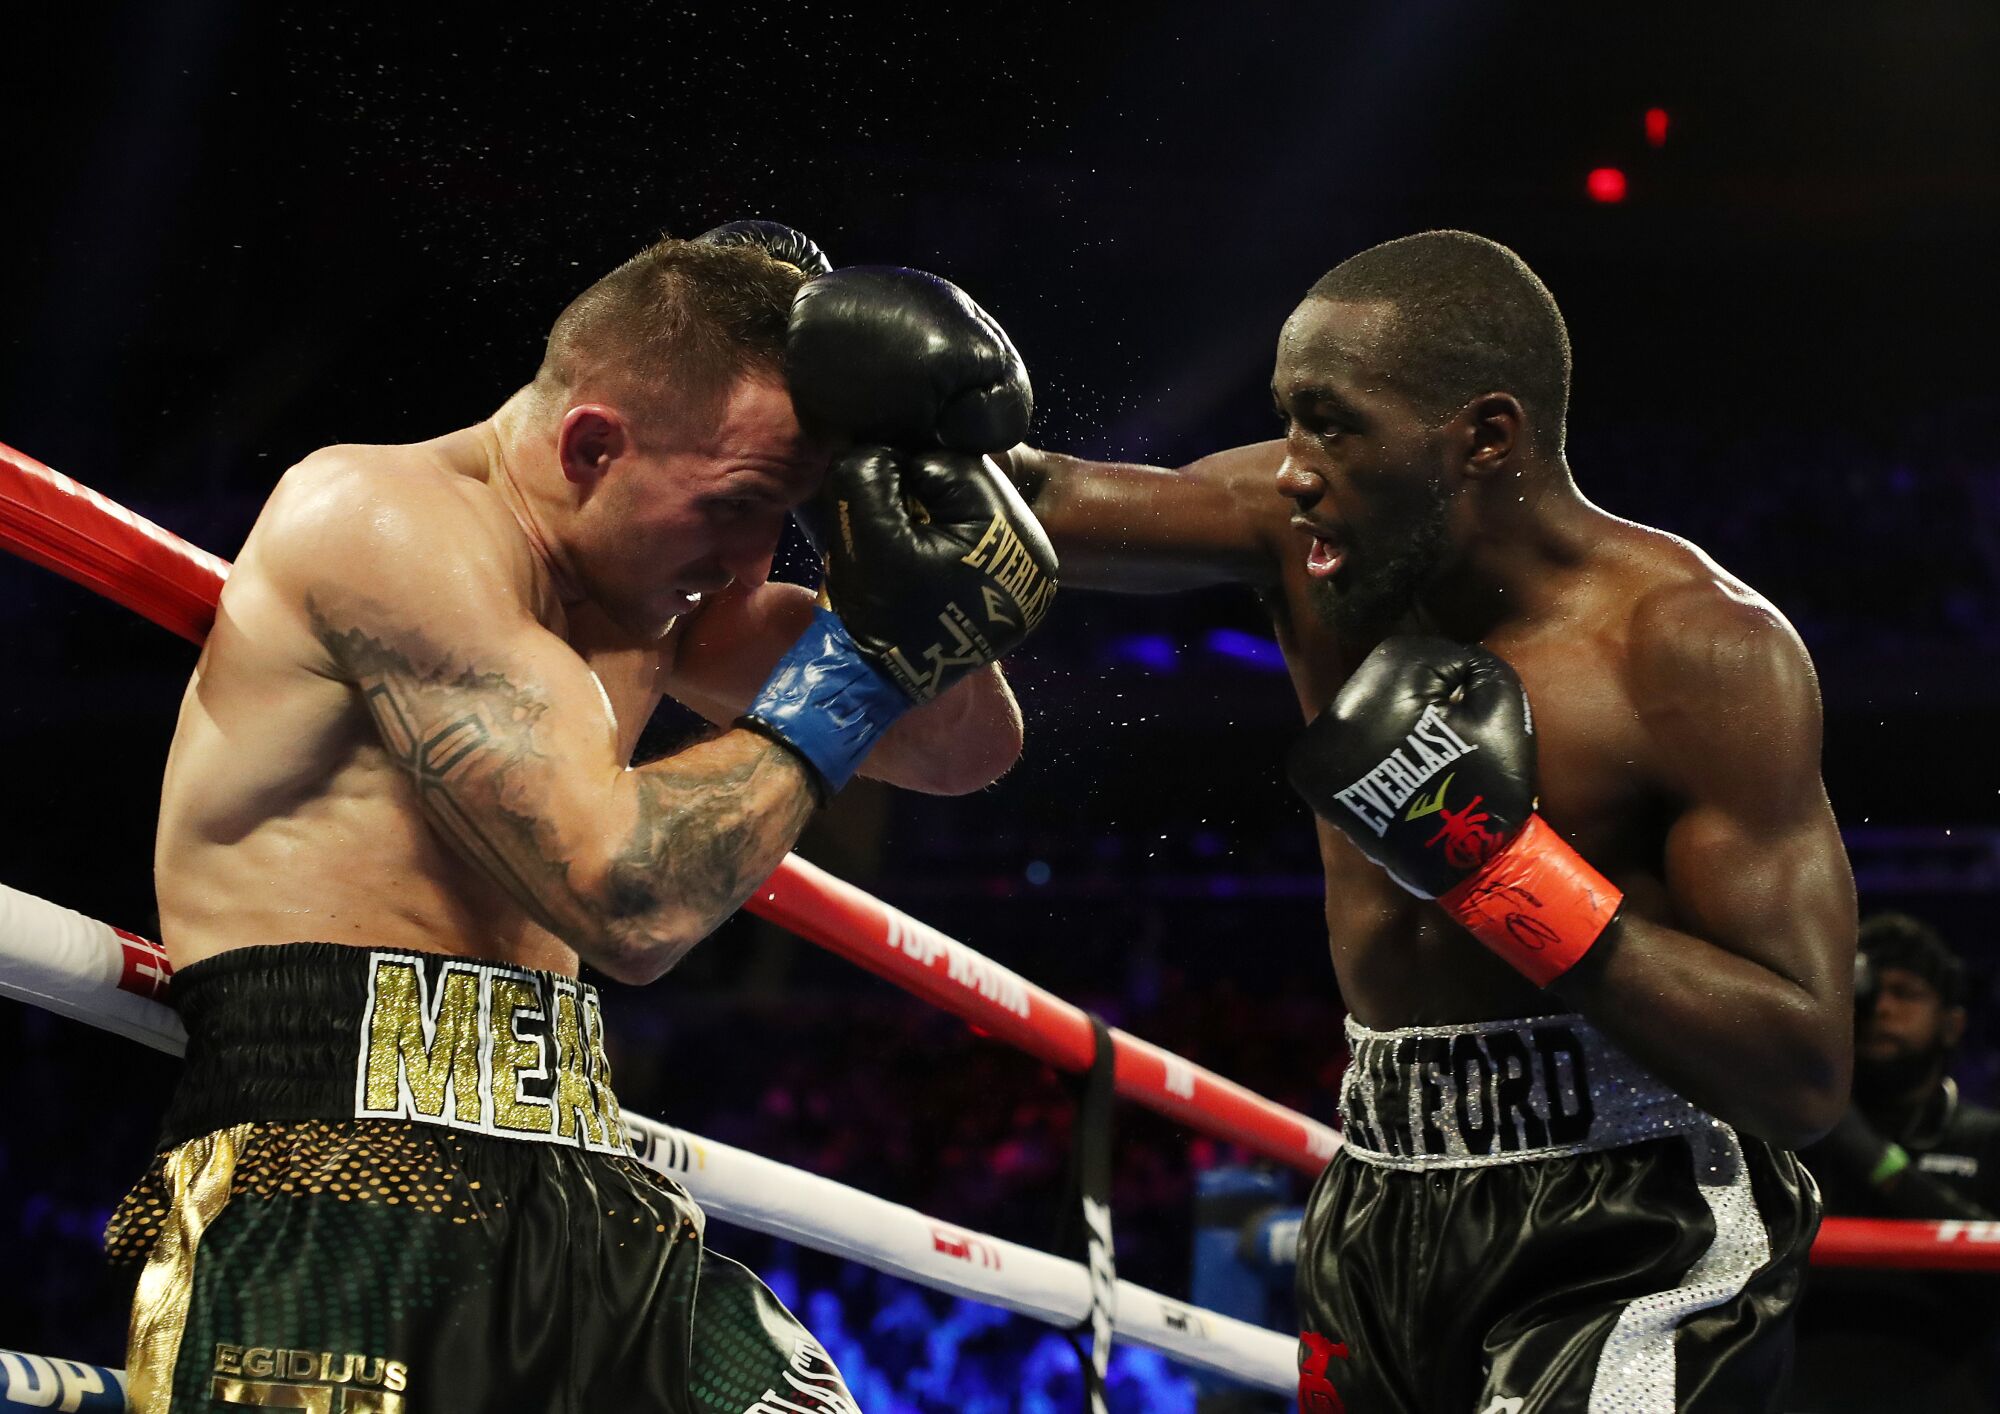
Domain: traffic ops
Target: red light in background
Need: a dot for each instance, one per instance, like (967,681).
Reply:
(1605,184)
(1656,127)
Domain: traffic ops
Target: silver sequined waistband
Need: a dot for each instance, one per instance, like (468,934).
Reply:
(1498,1092)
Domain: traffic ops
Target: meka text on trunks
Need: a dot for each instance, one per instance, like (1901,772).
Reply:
(486,1048)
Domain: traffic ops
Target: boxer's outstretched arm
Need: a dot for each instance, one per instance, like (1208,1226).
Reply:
(505,737)
(1747,1007)
(720,656)
(1147,530)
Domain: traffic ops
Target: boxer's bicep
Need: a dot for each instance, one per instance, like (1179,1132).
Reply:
(1734,987)
(1146,529)
(1777,894)
(500,732)
(1753,859)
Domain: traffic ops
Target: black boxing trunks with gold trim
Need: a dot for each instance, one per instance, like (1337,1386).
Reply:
(1522,1221)
(398,1183)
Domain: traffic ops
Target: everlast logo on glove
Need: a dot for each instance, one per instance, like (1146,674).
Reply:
(1377,796)
(1424,760)
(939,567)
(1476,843)
(1017,574)
(1015,600)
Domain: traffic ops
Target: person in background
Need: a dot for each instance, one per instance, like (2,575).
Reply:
(1909,1147)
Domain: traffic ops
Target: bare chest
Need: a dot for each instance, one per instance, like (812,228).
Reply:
(1398,958)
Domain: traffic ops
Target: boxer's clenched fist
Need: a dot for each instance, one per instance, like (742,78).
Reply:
(1426,761)
(899,356)
(933,562)
(777,240)
(935,568)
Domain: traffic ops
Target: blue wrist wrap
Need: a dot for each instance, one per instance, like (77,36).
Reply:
(826,702)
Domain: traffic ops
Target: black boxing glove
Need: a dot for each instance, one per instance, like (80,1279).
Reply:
(1426,761)
(776,240)
(901,357)
(935,568)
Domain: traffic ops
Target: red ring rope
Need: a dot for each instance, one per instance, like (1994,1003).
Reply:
(70,529)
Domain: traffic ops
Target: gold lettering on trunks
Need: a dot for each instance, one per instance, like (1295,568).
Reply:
(343,1382)
(423,1049)
(485,1047)
(517,1058)
(576,1102)
(268,1394)
(606,1102)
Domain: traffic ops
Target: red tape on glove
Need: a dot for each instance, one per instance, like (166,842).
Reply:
(1537,903)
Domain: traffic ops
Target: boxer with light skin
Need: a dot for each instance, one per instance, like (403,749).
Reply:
(400,811)
(547,575)
(1571,738)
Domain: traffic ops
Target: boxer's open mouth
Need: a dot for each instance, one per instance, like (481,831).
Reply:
(1326,556)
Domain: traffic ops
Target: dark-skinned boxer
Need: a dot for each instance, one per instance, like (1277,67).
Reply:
(394,1175)
(1588,906)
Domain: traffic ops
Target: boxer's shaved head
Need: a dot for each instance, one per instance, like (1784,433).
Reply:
(680,322)
(1469,317)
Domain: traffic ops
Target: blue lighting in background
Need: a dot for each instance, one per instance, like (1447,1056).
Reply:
(1154,652)
(1246,648)
(907,1350)
(1038,872)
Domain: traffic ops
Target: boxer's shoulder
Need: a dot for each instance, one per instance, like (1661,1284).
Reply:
(387,523)
(1716,674)
(370,492)
(1686,631)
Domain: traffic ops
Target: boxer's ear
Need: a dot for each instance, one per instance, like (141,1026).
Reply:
(1494,432)
(591,438)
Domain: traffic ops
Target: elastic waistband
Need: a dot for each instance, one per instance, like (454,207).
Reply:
(1498,1092)
(299,1031)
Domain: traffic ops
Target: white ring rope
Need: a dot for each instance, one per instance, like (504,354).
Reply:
(72,964)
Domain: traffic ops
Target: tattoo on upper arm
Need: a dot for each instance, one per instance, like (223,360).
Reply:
(465,740)
(708,829)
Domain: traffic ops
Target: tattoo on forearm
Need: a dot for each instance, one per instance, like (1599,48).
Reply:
(711,823)
(701,839)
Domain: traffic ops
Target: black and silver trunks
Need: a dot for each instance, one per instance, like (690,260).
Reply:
(1522,1220)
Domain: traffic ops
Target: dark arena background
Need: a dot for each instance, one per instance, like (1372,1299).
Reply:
(237,231)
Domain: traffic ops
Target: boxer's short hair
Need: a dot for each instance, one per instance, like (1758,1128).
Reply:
(1898,940)
(1470,318)
(683,319)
